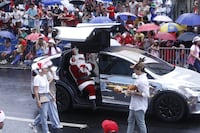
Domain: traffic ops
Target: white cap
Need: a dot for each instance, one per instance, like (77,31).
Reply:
(130,25)
(110,3)
(51,41)
(196,39)
(2,116)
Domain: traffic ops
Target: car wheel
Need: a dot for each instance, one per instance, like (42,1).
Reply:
(63,99)
(169,107)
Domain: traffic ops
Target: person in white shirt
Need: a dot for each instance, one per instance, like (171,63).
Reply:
(52,49)
(139,93)
(45,99)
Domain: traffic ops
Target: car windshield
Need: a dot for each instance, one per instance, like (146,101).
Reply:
(159,67)
(152,63)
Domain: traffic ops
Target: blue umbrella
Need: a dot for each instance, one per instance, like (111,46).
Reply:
(50,2)
(125,16)
(189,19)
(7,34)
(187,36)
(101,20)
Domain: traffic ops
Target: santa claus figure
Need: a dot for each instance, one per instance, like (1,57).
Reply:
(81,71)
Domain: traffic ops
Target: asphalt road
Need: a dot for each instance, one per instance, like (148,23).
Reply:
(20,109)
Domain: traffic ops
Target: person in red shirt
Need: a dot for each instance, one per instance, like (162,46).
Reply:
(128,39)
(111,11)
(119,38)
(67,18)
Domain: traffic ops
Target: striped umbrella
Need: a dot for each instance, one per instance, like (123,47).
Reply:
(171,27)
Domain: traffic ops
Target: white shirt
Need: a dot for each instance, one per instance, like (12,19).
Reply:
(195,49)
(140,102)
(53,50)
(42,83)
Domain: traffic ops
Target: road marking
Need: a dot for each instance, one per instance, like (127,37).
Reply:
(81,126)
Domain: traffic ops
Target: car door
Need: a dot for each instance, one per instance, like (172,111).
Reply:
(114,71)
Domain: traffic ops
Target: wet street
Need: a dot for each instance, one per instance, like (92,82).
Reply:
(20,109)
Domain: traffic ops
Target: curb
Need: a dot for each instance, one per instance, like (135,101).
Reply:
(18,67)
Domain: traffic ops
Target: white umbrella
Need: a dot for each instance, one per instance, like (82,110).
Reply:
(162,18)
(69,6)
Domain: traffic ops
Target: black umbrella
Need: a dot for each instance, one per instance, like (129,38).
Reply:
(187,36)
(77,2)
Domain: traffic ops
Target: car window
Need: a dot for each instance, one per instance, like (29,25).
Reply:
(56,61)
(160,67)
(113,65)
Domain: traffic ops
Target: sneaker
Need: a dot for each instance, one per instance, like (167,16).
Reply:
(33,127)
(3,62)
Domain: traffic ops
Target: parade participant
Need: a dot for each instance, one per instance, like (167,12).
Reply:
(139,99)
(81,71)
(44,98)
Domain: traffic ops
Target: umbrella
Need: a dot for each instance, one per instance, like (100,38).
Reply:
(124,15)
(162,18)
(189,19)
(101,19)
(7,34)
(70,7)
(77,2)
(187,36)
(171,27)
(148,27)
(51,2)
(165,36)
(35,36)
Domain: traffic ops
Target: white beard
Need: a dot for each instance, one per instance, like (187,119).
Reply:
(86,69)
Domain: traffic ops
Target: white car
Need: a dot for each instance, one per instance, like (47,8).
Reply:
(174,92)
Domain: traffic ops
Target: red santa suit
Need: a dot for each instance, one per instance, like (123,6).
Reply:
(81,71)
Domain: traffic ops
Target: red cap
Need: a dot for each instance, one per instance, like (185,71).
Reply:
(109,126)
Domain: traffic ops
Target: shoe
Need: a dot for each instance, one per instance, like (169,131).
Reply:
(33,127)
(3,62)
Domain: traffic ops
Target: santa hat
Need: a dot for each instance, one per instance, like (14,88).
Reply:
(110,126)
(44,64)
(2,116)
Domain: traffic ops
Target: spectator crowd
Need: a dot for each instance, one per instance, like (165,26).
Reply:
(32,24)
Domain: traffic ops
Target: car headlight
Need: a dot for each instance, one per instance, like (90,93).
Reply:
(192,95)
(193,100)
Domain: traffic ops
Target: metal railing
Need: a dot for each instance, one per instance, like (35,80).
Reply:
(175,56)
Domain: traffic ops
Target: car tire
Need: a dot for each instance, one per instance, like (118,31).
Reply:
(63,99)
(169,107)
